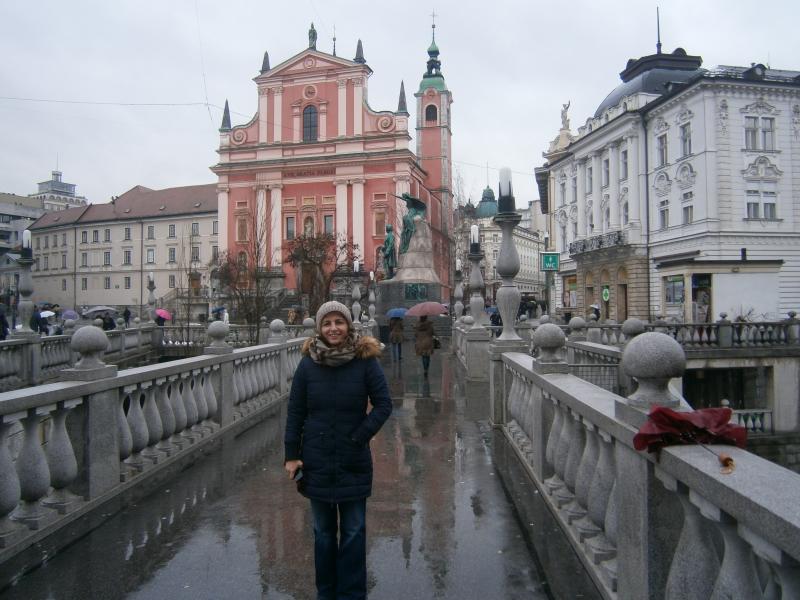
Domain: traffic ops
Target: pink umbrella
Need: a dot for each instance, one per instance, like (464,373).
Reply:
(164,314)
(431,309)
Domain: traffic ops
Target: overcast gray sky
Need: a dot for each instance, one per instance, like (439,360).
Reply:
(510,66)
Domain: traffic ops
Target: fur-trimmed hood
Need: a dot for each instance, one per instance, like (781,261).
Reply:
(366,347)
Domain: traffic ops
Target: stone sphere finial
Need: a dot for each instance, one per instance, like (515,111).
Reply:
(652,359)
(468,320)
(632,327)
(577,324)
(549,339)
(309,327)
(792,314)
(545,318)
(120,323)
(262,321)
(91,343)
(218,332)
(136,322)
(723,316)
(69,326)
(277,327)
(98,322)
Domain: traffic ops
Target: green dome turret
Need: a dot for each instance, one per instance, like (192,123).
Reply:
(487,207)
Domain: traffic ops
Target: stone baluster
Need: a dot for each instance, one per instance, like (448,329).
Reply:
(200,399)
(737,577)
(552,444)
(695,563)
(792,328)
(152,419)
(785,570)
(599,492)
(586,470)
(211,398)
(560,453)
(565,458)
(179,411)
(61,459)
(190,406)
(574,510)
(9,484)
(137,425)
(33,471)
(356,305)
(166,416)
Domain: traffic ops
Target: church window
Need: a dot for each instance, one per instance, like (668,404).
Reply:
(310,129)
(430,113)
(380,223)
(327,221)
(686,139)
(241,229)
(661,148)
(290,232)
(623,165)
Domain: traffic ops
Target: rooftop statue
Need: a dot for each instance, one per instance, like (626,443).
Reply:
(312,37)
(564,117)
(415,207)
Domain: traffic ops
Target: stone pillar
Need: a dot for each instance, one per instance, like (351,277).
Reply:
(581,198)
(458,295)
(476,287)
(263,114)
(356,306)
(508,296)
(634,188)
(322,131)
(358,214)
(277,114)
(217,333)
(222,212)
(724,331)
(260,229)
(342,107)
(277,332)
(613,184)
(341,207)
(297,125)
(275,234)
(309,327)
(358,106)
(597,195)
(550,340)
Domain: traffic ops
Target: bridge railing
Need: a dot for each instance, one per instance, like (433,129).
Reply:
(676,524)
(67,447)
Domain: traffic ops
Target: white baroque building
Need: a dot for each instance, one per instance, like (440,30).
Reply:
(680,197)
(102,254)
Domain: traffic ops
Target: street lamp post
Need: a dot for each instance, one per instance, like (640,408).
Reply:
(508,296)
(25,288)
(476,283)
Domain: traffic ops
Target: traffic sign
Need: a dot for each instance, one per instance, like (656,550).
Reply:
(549,261)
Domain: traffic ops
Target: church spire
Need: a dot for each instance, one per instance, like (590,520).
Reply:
(401,103)
(360,54)
(226,118)
(265,63)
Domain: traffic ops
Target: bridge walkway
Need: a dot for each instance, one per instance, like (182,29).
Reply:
(440,524)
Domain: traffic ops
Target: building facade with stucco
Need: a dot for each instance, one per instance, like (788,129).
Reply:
(317,159)
(680,196)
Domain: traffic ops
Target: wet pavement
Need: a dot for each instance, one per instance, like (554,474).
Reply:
(439,523)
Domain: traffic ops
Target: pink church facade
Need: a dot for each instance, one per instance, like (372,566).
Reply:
(316,158)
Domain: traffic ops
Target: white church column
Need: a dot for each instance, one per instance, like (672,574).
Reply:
(358,216)
(358,106)
(261,229)
(263,114)
(597,195)
(613,184)
(277,118)
(275,236)
(296,125)
(222,216)
(323,122)
(581,198)
(342,108)
(634,187)
(341,207)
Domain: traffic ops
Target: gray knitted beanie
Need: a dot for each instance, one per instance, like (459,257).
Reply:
(334,306)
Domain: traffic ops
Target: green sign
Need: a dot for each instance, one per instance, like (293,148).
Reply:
(549,261)
(606,294)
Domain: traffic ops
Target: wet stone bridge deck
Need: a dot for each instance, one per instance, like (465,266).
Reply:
(440,524)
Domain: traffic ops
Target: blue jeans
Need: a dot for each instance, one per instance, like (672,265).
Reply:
(397,351)
(341,565)
(426,362)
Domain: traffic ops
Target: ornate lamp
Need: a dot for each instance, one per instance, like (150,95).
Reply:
(508,296)
(476,284)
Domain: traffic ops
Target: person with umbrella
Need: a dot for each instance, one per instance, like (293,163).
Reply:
(396,337)
(423,342)
(326,441)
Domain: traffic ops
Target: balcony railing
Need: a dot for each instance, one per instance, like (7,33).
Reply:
(605,240)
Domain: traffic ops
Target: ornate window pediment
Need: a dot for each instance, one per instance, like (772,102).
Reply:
(683,115)
(686,175)
(661,125)
(662,184)
(562,218)
(762,169)
(760,107)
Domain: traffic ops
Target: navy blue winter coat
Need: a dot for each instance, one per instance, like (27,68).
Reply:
(327,425)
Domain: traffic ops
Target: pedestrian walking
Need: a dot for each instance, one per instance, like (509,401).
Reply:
(126,314)
(3,323)
(326,442)
(423,342)
(396,338)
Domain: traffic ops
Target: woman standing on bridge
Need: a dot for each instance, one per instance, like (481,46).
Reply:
(423,342)
(326,445)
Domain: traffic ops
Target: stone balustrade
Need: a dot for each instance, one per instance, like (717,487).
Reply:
(644,526)
(67,448)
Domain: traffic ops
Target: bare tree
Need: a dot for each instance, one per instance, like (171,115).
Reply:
(320,257)
(243,276)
